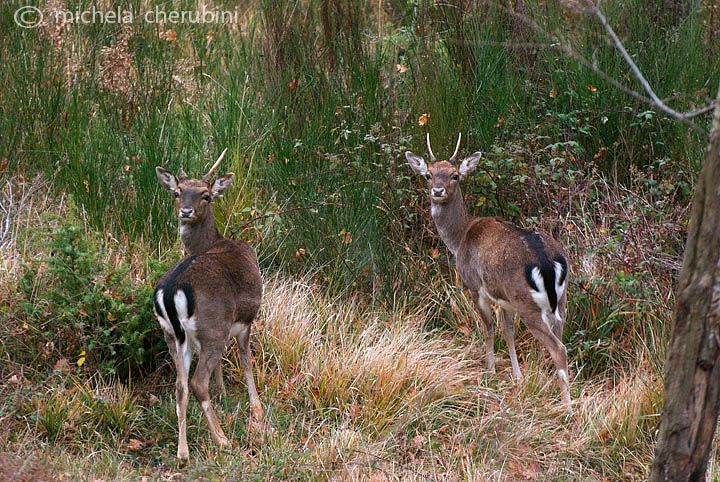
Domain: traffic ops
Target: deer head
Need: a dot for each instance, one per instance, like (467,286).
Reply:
(443,177)
(193,196)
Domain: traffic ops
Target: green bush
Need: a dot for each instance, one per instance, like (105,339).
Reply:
(88,310)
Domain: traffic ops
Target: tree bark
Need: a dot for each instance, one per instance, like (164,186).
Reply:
(692,380)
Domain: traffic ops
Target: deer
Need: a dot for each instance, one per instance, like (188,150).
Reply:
(208,297)
(523,272)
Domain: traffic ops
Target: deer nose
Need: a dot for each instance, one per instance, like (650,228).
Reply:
(186,212)
(438,191)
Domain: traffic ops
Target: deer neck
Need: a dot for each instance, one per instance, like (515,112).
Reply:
(451,219)
(199,237)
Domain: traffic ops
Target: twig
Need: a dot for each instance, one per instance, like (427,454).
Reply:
(291,210)
(656,101)
(653,100)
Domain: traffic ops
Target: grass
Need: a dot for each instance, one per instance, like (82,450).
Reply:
(350,393)
(368,354)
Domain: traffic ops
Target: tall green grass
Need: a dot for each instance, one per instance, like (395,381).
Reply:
(307,96)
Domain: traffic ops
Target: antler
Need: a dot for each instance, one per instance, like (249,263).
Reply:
(456,147)
(206,177)
(432,156)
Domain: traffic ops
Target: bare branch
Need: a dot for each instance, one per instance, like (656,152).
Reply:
(652,99)
(682,116)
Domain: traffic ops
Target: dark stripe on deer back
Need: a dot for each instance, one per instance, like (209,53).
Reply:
(170,287)
(547,271)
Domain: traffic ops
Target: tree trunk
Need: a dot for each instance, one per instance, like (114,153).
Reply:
(692,379)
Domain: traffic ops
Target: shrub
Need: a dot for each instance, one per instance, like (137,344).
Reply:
(86,309)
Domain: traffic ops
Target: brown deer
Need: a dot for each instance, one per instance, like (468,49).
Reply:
(208,297)
(524,272)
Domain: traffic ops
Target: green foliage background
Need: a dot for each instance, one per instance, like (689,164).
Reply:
(317,102)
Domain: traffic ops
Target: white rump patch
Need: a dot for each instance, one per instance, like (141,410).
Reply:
(559,288)
(540,296)
(188,323)
(162,317)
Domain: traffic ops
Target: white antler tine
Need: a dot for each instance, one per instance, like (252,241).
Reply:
(206,177)
(432,156)
(456,147)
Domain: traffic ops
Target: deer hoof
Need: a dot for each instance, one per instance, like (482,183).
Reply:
(183,456)
(223,441)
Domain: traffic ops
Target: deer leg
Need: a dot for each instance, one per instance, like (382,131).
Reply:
(542,331)
(558,325)
(483,306)
(508,329)
(207,362)
(219,379)
(255,423)
(182,356)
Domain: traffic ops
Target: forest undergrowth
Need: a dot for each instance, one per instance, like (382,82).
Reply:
(368,354)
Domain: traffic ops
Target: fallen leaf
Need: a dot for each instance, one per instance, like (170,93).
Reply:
(592,88)
(81,359)
(434,253)
(346,237)
(292,85)
(153,400)
(170,35)
(400,69)
(135,444)
(61,364)
(423,119)
(553,92)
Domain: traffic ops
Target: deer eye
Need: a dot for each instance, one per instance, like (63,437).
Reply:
(207,197)
(455,177)
(428,176)
(176,194)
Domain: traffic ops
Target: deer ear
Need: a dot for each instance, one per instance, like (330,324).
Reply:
(416,162)
(167,180)
(221,184)
(469,164)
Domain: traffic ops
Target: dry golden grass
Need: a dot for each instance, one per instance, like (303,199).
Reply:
(351,393)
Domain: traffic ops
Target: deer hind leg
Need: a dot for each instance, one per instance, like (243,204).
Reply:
(207,362)
(508,329)
(558,325)
(483,306)
(219,379)
(543,332)
(255,422)
(182,356)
